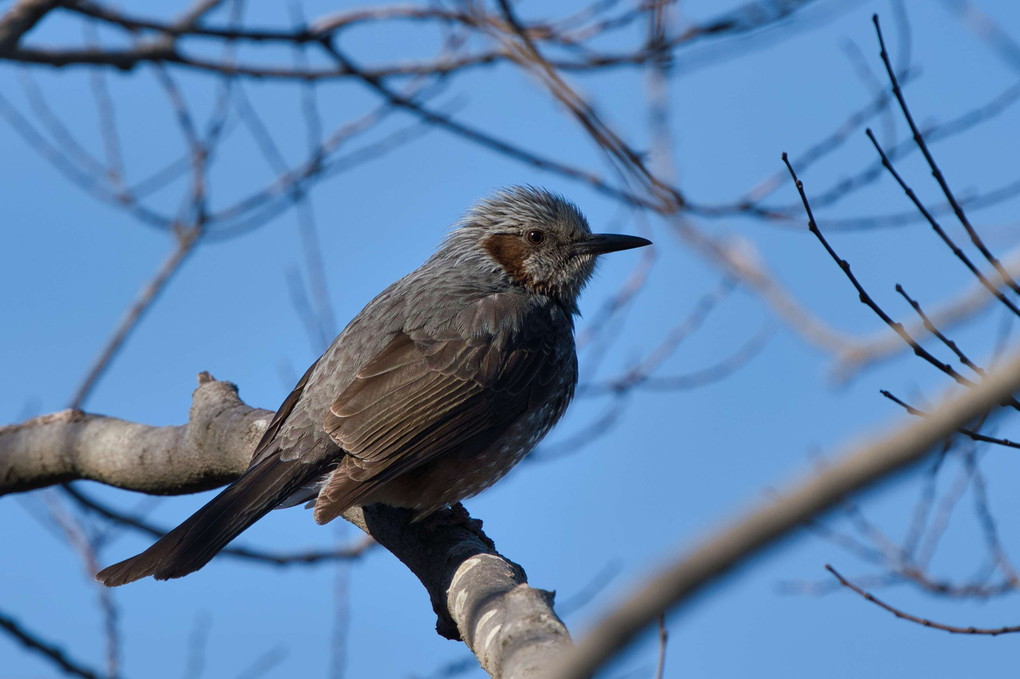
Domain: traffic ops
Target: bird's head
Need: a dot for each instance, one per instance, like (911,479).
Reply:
(537,240)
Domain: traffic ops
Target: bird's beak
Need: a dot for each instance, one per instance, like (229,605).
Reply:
(601,243)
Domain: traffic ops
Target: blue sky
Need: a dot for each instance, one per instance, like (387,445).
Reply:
(673,466)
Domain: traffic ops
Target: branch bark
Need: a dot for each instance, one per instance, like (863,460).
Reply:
(213,449)
(478,595)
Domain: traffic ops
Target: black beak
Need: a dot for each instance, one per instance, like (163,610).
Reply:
(601,243)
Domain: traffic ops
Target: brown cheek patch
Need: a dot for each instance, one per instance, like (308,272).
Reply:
(509,251)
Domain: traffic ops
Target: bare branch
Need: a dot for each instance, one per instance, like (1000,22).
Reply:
(211,450)
(20,19)
(920,621)
(84,544)
(997,39)
(304,558)
(936,172)
(660,665)
(476,135)
(148,295)
(479,596)
(53,653)
(941,232)
(969,433)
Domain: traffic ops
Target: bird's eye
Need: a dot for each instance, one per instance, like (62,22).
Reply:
(535,236)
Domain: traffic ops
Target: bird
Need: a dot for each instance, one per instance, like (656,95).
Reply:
(431,394)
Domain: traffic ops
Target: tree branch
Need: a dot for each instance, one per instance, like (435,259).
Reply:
(51,652)
(213,449)
(20,19)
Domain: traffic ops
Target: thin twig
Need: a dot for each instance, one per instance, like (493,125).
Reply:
(941,516)
(924,505)
(84,546)
(352,551)
(107,119)
(55,655)
(936,172)
(476,135)
(146,297)
(987,522)
(884,345)
(920,621)
(930,327)
(930,218)
(660,666)
(970,433)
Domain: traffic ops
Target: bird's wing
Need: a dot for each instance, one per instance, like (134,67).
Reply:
(264,450)
(421,398)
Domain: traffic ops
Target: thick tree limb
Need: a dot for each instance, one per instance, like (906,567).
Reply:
(733,545)
(213,449)
(478,595)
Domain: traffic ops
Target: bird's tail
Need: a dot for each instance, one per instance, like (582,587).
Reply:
(195,542)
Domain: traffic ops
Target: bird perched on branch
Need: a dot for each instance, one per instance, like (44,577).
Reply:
(431,394)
